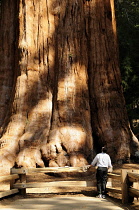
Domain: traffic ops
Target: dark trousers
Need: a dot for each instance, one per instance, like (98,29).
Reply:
(101,177)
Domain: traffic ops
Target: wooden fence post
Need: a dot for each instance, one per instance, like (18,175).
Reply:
(22,178)
(12,182)
(124,186)
(126,198)
(130,184)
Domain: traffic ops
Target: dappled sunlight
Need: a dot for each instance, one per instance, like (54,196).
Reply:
(51,56)
(29,157)
(21,86)
(33,97)
(25,138)
(64,202)
(67,146)
(75,137)
(71,83)
(65,59)
(66,87)
(15,129)
(43,107)
(113,18)
(32,105)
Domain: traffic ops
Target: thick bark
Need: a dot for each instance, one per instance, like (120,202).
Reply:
(108,111)
(70,135)
(61,77)
(8,49)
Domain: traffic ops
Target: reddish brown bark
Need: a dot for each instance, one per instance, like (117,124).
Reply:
(108,110)
(71,126)
(63,84)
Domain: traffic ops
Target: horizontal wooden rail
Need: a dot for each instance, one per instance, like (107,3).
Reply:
(114,190)
(9,177)
(127,178)
(133,177)
(55,184)
(134,192)
(114,176)
(51,170)
(8,192)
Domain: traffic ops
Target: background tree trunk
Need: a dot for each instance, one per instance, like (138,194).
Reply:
(64,87)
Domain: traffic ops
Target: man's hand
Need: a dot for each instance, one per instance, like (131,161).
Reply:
(110,170)
(85,168)
(88,166)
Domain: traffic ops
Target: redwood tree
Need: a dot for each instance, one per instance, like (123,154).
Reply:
(61,96)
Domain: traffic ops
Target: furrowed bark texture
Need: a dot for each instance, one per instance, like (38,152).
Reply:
(70,135)
(60,83)
(108,111)
(8,50)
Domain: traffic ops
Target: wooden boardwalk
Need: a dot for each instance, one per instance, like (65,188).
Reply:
(62,203)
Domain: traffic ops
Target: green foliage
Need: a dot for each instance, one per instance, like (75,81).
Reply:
(127,14)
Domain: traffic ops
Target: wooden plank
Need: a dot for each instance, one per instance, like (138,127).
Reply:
(8,192)
(18,170)
(49,190)
(114,190)
(114,176)
(23,181)
(12,181)
(136,184)
(124,186)
(52,170)
(134,192)
(55,184)
(109,182)
(133,177)
(9,177)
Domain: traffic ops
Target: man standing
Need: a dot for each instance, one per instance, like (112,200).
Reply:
(103,162)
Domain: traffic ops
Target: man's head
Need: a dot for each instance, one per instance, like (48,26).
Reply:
(104,149)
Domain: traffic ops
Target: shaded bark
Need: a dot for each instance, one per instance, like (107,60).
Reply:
(8,76)
(61,77)
(109,117)
(70,137)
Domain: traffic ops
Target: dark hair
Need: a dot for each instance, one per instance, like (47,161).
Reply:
(104,149)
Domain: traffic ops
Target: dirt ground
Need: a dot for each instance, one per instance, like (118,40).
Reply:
(59,191)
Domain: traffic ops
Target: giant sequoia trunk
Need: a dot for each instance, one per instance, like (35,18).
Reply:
(60,84)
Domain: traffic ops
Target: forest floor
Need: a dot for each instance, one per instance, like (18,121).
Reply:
(66,192)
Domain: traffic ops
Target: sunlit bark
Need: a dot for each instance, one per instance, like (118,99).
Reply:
(61,88)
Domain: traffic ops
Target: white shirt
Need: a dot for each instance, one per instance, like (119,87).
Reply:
(102,160)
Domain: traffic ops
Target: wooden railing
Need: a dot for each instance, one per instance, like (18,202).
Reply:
(130,179)
(18,181)
(129,184)
(12,179)
(23,172)
(115,177)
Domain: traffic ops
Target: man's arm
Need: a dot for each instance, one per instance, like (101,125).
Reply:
(110,168)
(94,162)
